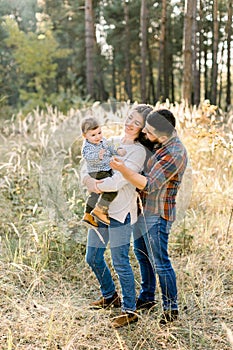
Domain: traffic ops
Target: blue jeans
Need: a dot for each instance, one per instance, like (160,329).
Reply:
(151,249)
(118,235)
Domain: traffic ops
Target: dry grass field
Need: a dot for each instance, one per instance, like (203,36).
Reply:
(45,284)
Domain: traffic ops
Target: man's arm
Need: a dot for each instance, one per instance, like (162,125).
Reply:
(133,177)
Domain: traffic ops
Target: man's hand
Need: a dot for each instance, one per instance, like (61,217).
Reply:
(121,151)
(91,184)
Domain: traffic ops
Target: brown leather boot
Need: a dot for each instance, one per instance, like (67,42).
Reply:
(101,215)
(89,221)
(169,316)
(124,319)
(104,303)
(145,305)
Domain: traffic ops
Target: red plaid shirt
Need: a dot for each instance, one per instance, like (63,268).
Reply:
(164,171)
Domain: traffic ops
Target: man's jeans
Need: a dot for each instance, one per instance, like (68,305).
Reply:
(118,235)
(151,249)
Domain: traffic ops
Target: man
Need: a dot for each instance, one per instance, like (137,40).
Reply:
(158,187)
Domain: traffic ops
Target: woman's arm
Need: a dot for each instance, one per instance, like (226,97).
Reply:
(130,175)
(134,162)
(160,173)
(87,180)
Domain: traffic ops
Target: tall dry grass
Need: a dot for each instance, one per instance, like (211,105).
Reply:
(45,283)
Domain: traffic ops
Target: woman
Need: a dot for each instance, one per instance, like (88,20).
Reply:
(123,214)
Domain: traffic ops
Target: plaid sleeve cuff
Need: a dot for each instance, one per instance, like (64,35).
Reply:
(145,189)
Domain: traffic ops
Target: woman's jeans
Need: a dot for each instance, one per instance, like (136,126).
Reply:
(151,249)
(118,235)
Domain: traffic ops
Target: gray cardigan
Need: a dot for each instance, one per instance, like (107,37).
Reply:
(126,199)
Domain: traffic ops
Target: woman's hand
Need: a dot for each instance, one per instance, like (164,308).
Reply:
(133,177)
(91,184)
(117,164)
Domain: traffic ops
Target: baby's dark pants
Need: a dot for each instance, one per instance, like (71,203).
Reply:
(103,199)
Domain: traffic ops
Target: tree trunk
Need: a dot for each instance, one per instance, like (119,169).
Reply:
(114,92)
(90,43)
(187,51)
(167,67)
(196,58)
(172,87)
(151,91)
(221,77)
(229,34)
(128,82)
(143,27)
(215,53)
(206,85)
(160,85)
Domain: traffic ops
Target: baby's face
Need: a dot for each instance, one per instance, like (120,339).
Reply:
(94,136)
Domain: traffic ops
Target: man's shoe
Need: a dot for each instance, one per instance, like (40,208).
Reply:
(101,215)
(141,304)
(89,221)
(124,319)
(104,303)
(169,316)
